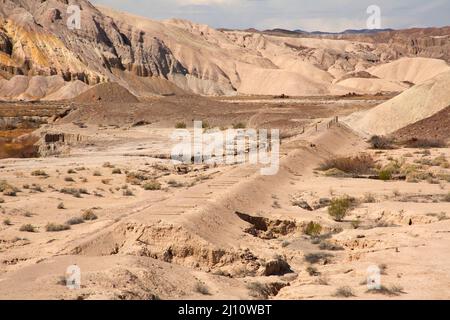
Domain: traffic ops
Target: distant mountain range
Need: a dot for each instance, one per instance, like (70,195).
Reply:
(348,31)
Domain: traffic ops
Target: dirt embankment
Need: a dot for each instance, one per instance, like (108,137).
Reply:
(434,127)
(107,92)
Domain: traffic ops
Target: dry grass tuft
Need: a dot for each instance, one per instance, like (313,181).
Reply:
(362,164)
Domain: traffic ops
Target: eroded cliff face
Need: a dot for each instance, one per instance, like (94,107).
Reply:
(427,43)
(168,57)
(35,40)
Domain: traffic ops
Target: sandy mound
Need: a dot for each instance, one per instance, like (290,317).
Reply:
(107,92)
(277,82)
(434,127)
(415,70)
(14,87)
(40,86)
(307,69)
(366,85)
(69,91)
(413,105)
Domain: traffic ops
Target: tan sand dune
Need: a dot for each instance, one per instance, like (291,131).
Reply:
(415,70)
(293,64)
(68,91)
(106,92)
(14,87)
(415,104)
(41,86)
(277,82)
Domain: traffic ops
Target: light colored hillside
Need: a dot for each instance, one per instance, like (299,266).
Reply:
(415,104)
(415,70)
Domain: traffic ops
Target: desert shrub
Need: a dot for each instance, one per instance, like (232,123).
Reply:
(334,173)
(7,222)
(356,224)
(39,173)
(447,197)
(106,181)
(74,221)
(10,192)
(285,244)
(5,186)
(313,229)
(180,125)
(361,164)
(36,188)
(69,179)
(61,206)
(415,177)
(2,200)
(97,173)
(152,185)
(312,271)
(369,198)
(344,292)
(314,258)
(393,167)
(53,227)
(136,178)
(328,246)
(258,290)
(28,214)
(117,171)
(339,208)
(443,176)
(27,228)
(381,142)
(425,143)
(76,192)
(7,189)
(239,125)
(89,215)
(175,184)
(127,193)
(108,165)
(201,288)
(409,169)
(388,291)
(71,171)
(385,175)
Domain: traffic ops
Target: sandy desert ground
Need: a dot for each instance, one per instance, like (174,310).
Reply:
(221,232)
(86,176)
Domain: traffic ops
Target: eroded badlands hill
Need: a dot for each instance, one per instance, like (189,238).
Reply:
(166,57)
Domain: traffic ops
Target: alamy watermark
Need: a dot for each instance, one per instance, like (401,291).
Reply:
(374,20)
(73,277)
(232,146)
(74,18)
(373,278)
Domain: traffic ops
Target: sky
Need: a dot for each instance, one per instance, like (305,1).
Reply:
(309,15)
